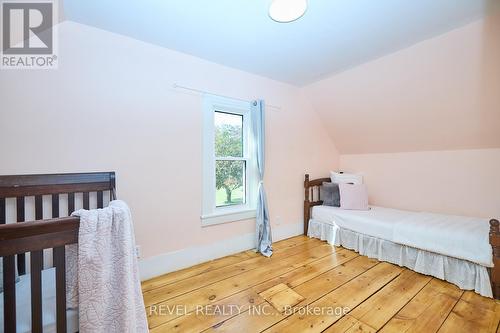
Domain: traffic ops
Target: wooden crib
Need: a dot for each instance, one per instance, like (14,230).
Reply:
(34,237)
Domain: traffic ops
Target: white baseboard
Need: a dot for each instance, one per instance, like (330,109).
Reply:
(287,230)
(173,261)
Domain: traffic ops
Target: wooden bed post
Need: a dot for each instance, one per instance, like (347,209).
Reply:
(307,207)
(310,198)
(495,245)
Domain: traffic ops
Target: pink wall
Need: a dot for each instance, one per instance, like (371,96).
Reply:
(422,124)
(440,94)
(111,106)
(463,182)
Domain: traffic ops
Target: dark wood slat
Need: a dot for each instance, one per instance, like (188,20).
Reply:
(86,200)
(2,211)
(495,246)
(112,190)
(21,258)
(30,185)
(56,179)
(100,199)
(55,205)
(13,231)
(36,260)
(9,294)
(47,190)
(38,207)
(60,264)
(20,209)
(32,236)
(34,243)
(55,213)
(71,203)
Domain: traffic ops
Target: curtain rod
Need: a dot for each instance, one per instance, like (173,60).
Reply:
(178,86)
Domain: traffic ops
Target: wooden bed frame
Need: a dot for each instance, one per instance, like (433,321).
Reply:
(18,238)
(312,198)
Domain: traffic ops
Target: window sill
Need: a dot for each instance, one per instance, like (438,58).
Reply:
(226,217)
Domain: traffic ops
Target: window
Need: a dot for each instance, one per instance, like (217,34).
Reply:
(229,176)
(230,159)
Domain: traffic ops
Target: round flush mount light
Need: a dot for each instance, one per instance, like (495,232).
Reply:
(285,11)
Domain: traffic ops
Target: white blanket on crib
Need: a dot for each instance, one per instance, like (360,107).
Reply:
(104,283)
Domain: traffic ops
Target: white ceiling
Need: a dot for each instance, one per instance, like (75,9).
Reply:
(333,36)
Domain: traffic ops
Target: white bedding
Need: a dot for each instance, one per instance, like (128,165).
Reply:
(455,236)
(23,305)
(377,222)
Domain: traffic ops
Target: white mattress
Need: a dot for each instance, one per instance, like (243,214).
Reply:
(23,305)
(454,236)
(376,222)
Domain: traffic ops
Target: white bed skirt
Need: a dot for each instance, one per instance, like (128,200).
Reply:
(465,274)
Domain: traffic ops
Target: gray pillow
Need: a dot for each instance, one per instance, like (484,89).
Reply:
(330,194)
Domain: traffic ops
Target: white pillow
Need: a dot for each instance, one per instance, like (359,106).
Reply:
(345,178)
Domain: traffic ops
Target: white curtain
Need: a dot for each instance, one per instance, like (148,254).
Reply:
(263,224)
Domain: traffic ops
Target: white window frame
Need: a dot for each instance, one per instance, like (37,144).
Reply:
(211,214)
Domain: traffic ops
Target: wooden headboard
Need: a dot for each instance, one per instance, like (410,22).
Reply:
(35,236)
(312,197)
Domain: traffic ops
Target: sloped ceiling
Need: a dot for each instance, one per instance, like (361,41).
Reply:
(333,36)
(440,94)
(385,75)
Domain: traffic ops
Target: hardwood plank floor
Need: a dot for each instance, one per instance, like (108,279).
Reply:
(310,286)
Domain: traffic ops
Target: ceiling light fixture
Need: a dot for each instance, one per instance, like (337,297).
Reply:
(285,11)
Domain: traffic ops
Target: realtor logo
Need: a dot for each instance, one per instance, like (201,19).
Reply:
(28,34)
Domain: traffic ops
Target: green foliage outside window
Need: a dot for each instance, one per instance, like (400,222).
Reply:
(229,174)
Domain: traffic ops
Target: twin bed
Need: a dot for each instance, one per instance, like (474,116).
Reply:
(462,250)
(34,285)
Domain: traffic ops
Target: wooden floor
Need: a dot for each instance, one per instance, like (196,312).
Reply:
(310,286)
